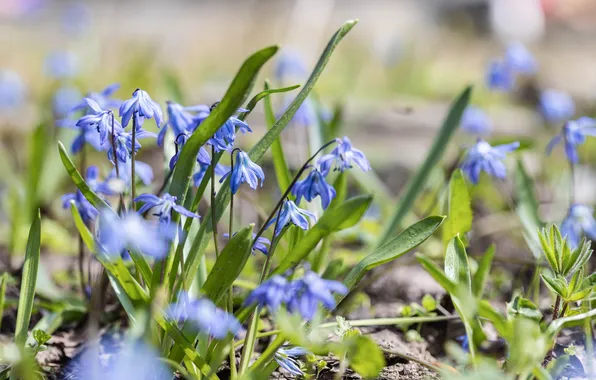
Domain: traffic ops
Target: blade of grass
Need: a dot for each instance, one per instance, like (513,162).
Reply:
(280,165)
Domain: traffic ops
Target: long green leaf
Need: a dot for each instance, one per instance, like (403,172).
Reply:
(28,280)
(483,271)
(527,206)
(437,273)
(407,240)
(3,281)
(37,153)
(560,323)
(232,100)
(229,264)
(343,216)
(257,152)
(416,184)
(459,214)
(280,165)
(265,94)
(457,268)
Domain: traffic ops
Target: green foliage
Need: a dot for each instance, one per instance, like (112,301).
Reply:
(482,273)
(459,208)
(282,172)
(364,356)
(563,260)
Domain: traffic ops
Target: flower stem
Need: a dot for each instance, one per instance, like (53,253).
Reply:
(549,355)
(121,207)
(132,163)
(81,260)
(233,369)
(213,208)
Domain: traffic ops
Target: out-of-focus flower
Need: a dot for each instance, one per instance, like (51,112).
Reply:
(102,120)
(484,157)
(141,107)
(132,232)
(65,98)
(311,291)
(306,114)
(343,155)
(203,314)
(114,184)
(475,121)
(181,120)
(499,76)
(103,98)
(12,90)
(164,206)
(261,244)
(312,186)
(579,221)
(289,65)
(244,171)
(87,211)
(287,359)
(290,213)
(556,106)
(573,134)
(465,343)
(520,60)
(271,293)
(61,65)
(76,18)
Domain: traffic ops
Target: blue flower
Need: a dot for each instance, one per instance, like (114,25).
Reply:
(141,107)
(244,171)
(260,245)
(290,213)
(343,155)
(287,359)
(475,121)
(306,114)
(165,204)
(312,186)
(204,315)
(225,136)
(520,60)
(61,65)
(573,134)
(102,98)
(465,344)
(87,211)
(124,146)
(64,100)
(181,120)
(556,106)
(579,221)
(483,157)
(311,291)
(289,65)
(271,293)
(12,90)
(101,120)
(499,76)
(115,185)
(220,171)
(132,232)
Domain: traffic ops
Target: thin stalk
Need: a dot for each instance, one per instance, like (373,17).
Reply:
(549,355)
(233,369)
(133,189)
(424,363)
(572,183)
(589,347)
(81,259)
(213,207)
(121,207)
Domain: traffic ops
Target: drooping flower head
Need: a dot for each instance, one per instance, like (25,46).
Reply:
(556,107)
(225,136)
(261,244)
(141,107)
(87,211)
(499,76)
(204,315)
(181,119)
(132,232)
(61,64)
(163,207)
(287,358)
(573,134)
(311,291)
(244,171)
(520,60)
(12,90)
(102,120)
(291,214)
(271,293)
(475,121)
(343,155)
(578,222)
(124,147)
(484,157)
(312,186)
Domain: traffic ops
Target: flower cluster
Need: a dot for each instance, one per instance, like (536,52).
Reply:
(502,72)
(302,296)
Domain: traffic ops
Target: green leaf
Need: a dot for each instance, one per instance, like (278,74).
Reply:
(28,279)
(37,153)
(265,94)
(344,216)
(232,100)
(40,336)
(483,271)
(459,215)
(457,268)
(554,284)
(257,152)
(486,310)
(546,237)
(282,172)
(525,308)
(407,240)
(437,273)
(229,264)
(3,281)
(560,323)
(416,183)
(429,303)
(527,204)
(364,356)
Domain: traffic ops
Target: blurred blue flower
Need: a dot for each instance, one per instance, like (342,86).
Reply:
(261,244)
(87,135)
(475,121)
(244,171)
(312,186)
(573,134)
(520,60)
(290,213)
(343,155)
(87,211)
(76,18)
(61,65)
(124,146)
(311,291)
(484,157)
(556,106)
(204,315)
(289,65)
(181,120)
(499,76)
(141,107)
(12,90)
(132,232)
(465,344)
(103,99)
(164,206)
(220,171)
(115,185)
(65,98)
(306,114)
(271,293)
(579,221)
(287,359)
(102,120)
